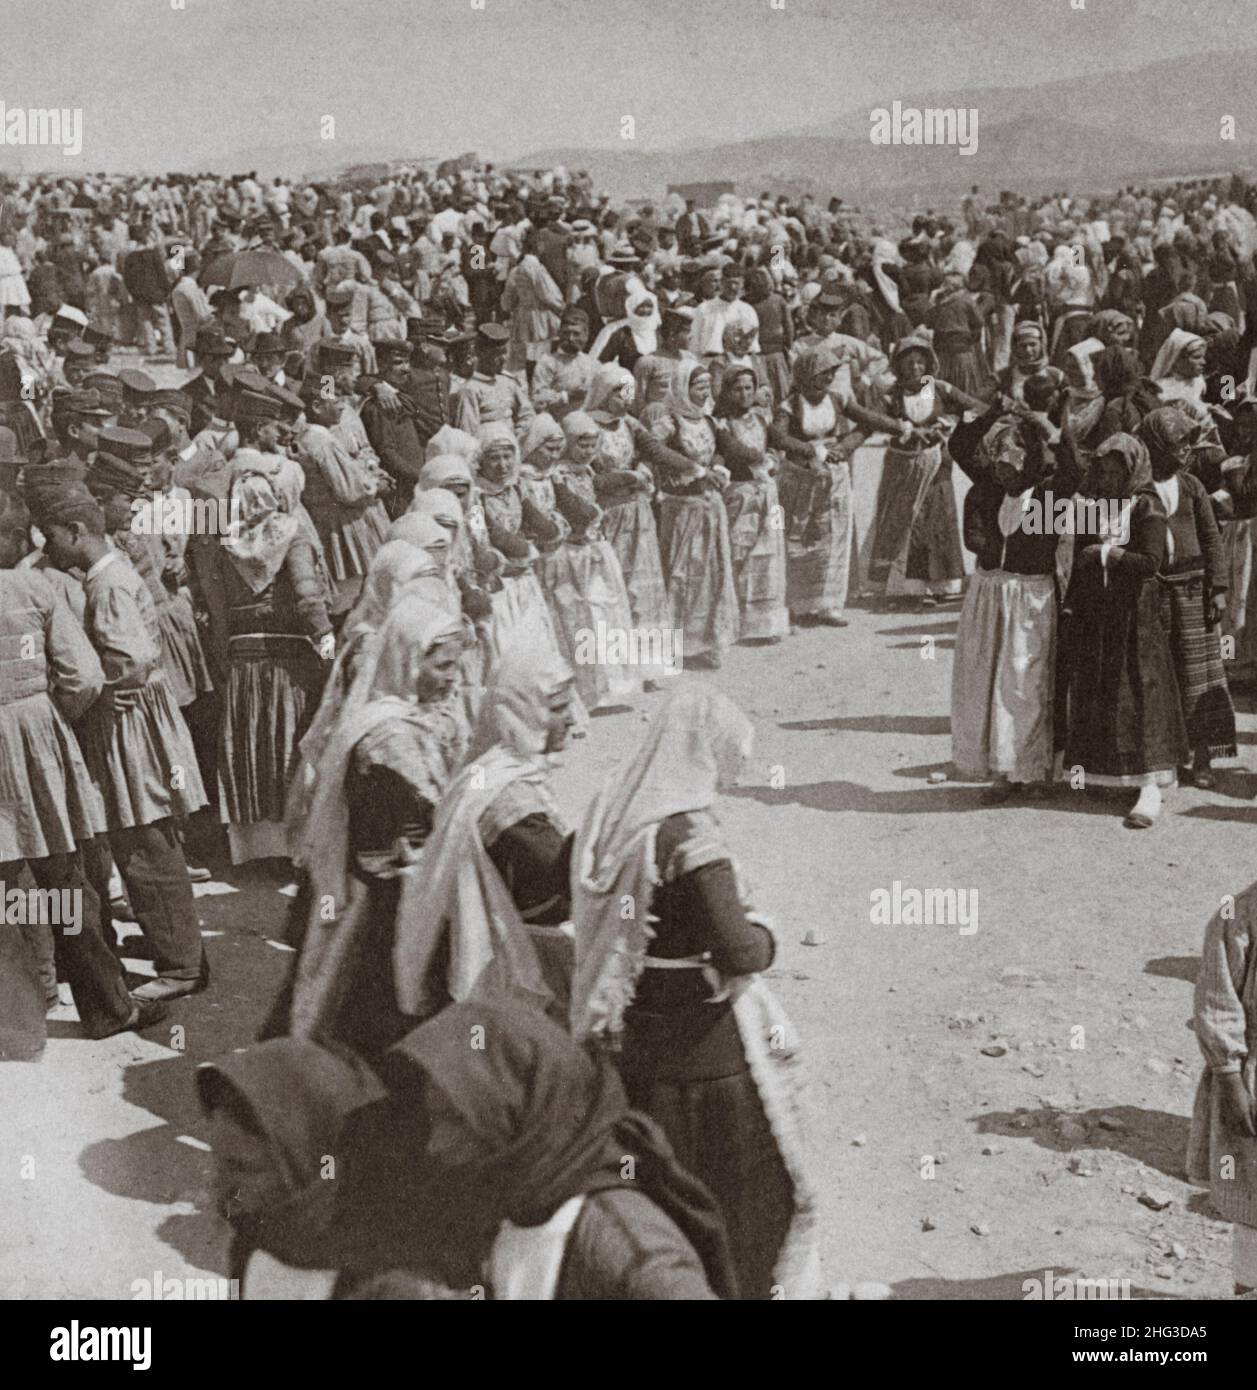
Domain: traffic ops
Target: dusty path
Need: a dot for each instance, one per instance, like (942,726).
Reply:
(1082,925)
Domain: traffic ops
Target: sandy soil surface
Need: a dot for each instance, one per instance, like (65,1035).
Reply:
(1044,1061)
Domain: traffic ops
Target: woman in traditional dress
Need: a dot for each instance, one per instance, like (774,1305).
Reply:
(494,1169)
(1119,715)
(1086,400)
(1029,358)
(627,340)
(1222,1146)
(671,984)
(275,638)
(1128,394)
(1193,591)
(680,443)
(1003,675)
(624,491)
(817,433)
(914,550)
(957,327)
(396,568)
(486,917)
(580,577)
(401,737)
(757,533)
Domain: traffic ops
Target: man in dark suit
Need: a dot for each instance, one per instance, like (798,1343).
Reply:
(691,229)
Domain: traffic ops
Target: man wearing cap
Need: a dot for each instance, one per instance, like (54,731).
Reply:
(339,372)
(394,433)
(712,316)
(136,745)
(101,341)
(68,322)
(563,376)
(429,384)
(138,389)
(79,358)
(43,833)
(208,388)
(691,229)
(338,263)
(268,354)
(654,373)
(77,419)
(491,395)
(338,329)
(861,365)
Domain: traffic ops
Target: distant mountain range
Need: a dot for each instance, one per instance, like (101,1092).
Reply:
(1083,133)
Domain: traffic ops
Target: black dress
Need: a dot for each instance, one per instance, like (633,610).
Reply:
(683,1061)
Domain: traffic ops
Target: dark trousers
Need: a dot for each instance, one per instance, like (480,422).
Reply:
(150,860)
(82,957)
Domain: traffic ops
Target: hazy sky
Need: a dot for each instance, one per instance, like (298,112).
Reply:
(162,87)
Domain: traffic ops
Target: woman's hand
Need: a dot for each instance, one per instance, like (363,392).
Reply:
(1217,608)
(1236,1104)
(327,647)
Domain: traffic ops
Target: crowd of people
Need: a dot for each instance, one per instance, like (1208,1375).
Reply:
(336,593)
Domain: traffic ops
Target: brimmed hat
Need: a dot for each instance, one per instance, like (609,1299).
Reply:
(136,385)
(211,341)
(492,335)
(85,402)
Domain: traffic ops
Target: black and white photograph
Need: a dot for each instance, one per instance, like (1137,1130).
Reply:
(625,666)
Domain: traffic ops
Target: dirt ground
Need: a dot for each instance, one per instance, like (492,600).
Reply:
(1078,977)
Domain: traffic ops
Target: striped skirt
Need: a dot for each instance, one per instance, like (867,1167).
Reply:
(1197,655)
(273,689)
(630,527)
(702,600)
(818,518)
(757,546)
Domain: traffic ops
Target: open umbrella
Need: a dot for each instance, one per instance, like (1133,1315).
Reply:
(249,269)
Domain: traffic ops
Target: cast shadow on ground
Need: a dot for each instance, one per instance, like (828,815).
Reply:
(1152,1137)
(155,1165)
(1174,968)
(920,629)
(944,644)
(1246,815)
(932,724)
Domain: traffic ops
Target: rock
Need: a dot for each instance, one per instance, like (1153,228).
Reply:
(1163,1271)
(990,1150)
(1078,1166)
(871,1292)
(940,1157)
(927,1224)
(814,937)
(1033,1069)
(980,1228)
(1154,1199)
(1072,1132)
(894,989)
(1178,1250)
(936,777)
(1111,1122)
(995,1050)
(1157,1066)
(859,1141)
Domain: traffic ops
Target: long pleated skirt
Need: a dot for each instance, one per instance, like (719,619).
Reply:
(1197,653)
(630,529)
(139,752)
(273,688)
(521,615)
(1003,678)
(50,802)
(702,599)
(915,546)
(757,550)
(593,621)
(819,519)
